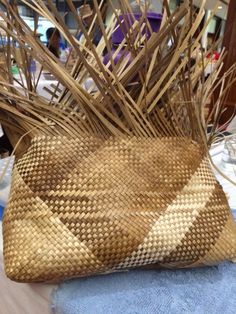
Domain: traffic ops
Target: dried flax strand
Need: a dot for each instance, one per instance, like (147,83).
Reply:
(143,97)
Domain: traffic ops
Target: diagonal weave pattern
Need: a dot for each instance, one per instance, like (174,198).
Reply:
(85,206)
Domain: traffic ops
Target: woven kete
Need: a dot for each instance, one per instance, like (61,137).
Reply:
(85,206)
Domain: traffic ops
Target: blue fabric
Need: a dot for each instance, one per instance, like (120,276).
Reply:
(234,213)
(6,165)
(209,290)
(1,212)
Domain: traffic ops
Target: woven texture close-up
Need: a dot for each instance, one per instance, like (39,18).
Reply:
(85,206)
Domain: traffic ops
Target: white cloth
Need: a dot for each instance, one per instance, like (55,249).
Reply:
(229,170)
(232,126)
(1,131)
(40,87)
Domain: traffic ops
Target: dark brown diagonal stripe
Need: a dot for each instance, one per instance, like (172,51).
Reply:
(107,201)
(114,224)
(49,161)
(126,234)
(204,232)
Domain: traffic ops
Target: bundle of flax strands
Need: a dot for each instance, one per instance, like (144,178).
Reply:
(115,176)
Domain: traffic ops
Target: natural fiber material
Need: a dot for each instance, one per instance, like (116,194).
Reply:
(86,206)
(116,175)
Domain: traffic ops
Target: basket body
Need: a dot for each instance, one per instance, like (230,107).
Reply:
(85,206)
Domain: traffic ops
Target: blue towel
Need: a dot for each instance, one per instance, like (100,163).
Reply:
(1,211)
(209,290)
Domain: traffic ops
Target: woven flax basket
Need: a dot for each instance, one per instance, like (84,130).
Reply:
(88,205)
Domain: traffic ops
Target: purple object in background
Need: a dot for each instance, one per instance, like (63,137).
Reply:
(120,54)
(118,35)
(32,67)
(128,20)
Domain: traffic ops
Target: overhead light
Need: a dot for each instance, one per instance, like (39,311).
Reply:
(220,7)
